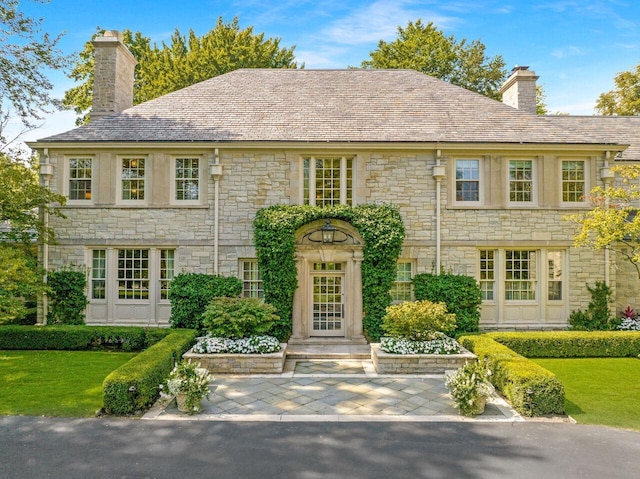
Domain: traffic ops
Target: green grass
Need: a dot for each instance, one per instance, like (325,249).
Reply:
(55,383)
(603,391)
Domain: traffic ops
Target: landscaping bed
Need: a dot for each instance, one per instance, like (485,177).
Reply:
(390,363)
(240,363)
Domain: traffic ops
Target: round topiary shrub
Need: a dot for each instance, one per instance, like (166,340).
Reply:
(417,320)
(238,318)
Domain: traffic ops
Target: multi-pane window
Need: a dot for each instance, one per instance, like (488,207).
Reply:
(573,181)
(99,274)
(487,274)
(133,274)
(467,180)
(520,275)
(251,279)
(167,263)
(328,180)
(187,181)
(401,288)
(521,180)
(133,177)
(80,178)
(555,272)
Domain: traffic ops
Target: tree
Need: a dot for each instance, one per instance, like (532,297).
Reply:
(185,61)
(541,101)
(426,49)
(613,222)
(20,282)
(624,99)
(26,52)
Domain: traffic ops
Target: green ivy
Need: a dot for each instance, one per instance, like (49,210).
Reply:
(67,296)
(274,234)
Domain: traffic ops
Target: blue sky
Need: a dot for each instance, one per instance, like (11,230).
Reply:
(576,47)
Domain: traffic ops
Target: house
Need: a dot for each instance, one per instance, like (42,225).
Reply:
(174,184)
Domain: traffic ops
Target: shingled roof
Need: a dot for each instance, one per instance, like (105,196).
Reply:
(270,105)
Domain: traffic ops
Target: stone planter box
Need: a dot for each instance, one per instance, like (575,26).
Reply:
(387,363)
(231,363)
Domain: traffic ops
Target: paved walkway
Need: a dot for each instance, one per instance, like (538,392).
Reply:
(331,390)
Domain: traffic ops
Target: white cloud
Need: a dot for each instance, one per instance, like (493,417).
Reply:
(568,51)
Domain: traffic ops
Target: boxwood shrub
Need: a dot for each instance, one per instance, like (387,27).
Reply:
(133,386)
(531,389)
(572,344)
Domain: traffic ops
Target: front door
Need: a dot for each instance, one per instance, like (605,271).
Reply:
(327,311)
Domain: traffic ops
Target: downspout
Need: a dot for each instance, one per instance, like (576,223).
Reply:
(215,170)
(438,174)
(606,175)
(46,172)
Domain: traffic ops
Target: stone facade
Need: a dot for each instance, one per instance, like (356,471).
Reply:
(226,363)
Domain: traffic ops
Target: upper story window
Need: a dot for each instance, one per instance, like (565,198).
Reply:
(573,181)
(132,179)
(521,181)
(328,180)
(468,180)
(401,289)
(80,174)
(186,182)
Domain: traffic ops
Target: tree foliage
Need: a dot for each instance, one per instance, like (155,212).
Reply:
(624,99)
(20,282)
(25,90)
(425,48)
(613,221)
(186,60)
(20,197)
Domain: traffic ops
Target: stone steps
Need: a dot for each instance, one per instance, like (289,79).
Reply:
(328,351)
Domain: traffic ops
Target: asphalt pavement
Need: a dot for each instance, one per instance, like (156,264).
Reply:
(33,447)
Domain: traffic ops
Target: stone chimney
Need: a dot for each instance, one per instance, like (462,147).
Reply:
(113,75)
(519,91)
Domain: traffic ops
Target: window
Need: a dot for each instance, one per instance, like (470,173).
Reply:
(187,179)
(573,181)
(133,179)
(467,180)
(167,263)
(80,178)
(520,275)
(328,180)
(521,181)
(251,279)
(487,274)
(401,288)
(99,274)
(555,269)
(133,274)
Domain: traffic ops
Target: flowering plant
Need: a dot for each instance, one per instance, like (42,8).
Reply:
(434,343)
(629,321)
(252,345)
(469,383)
(190,379)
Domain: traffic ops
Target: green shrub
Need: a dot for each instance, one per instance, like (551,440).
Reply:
(460,293)
(531,389)
(417,320)
(598,316)
(133,387)
(238,318)
(191,293)
(67,300)
(572,344)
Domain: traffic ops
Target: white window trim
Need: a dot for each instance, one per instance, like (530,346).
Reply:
(343,177)
(147,181)
(241,263)
(587,183)
(201,180)
(534,183)
(481,188)
(66,177)
(412,263)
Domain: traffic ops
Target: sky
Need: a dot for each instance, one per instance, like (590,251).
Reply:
(576,47)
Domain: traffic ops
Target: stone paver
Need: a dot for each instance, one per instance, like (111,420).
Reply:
(333,391)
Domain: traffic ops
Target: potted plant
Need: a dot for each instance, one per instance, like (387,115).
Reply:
(470,387)
(189,383)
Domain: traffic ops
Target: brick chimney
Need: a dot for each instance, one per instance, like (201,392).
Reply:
(113,75)
(519,91)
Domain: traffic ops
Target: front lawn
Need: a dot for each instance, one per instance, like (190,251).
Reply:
(55,383)
(604,391)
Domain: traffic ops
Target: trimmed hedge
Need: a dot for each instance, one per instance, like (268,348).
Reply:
(125,338)
(531,389)
(572,344)
(134,386)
